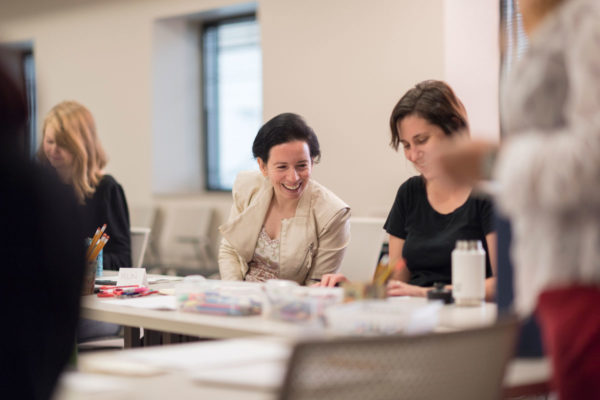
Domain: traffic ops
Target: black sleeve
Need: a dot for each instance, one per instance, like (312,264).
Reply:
(486,210)
(395,224)
(117,252)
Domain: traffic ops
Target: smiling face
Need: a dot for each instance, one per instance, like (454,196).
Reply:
(420,140)
(59,157)
(288,169)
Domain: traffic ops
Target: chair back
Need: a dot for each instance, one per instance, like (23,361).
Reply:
(185,240)
(467,364)
(139,241)
(362,253)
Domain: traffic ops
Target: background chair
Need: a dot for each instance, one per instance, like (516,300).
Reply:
(184,244)
(461,365)
(139,242)
(362,254)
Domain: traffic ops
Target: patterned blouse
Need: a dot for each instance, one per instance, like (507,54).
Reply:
(265,262)
(549,167)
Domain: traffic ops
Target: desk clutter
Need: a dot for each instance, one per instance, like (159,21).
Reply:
(335,310)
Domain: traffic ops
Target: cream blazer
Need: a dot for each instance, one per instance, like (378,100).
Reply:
(311,244)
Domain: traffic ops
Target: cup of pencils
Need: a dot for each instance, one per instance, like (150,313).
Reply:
(94,259)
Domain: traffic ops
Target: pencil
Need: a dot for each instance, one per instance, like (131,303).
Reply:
(94,242)
(99,246)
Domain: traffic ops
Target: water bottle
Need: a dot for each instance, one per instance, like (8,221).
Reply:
(468,273)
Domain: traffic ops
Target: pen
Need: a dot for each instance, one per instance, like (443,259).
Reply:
(106,287)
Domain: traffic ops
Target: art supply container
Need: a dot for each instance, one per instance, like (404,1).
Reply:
(89,277)
(99,259)
(288,301)
(199,295)
(383,317)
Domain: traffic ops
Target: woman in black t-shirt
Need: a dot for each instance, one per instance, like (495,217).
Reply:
(430,214)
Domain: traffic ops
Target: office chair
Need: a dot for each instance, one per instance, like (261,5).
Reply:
(467,364)
(362,253)
(139,242)
(184,242)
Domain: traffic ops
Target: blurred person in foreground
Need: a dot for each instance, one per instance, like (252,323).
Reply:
(548,172)
(42,257)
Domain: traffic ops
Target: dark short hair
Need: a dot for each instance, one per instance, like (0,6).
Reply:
(433,101)
(284,128)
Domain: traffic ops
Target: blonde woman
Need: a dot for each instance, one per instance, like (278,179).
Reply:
(71,147)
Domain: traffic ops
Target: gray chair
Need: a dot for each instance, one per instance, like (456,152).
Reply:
(139,242)
(184,243)
(467,364)
(362,253)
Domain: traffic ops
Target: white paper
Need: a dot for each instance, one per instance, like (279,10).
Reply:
(163,278)
(89,383)
(267,375)
(153,302)
(132,276)
(227,353)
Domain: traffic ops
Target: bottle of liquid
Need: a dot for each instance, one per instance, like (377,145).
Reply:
(468,273)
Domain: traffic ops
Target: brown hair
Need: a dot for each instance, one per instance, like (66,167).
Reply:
(75,131)
(434,101)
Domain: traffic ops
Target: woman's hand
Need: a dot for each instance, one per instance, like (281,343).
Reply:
(399,288)
(466,161)
(330,280)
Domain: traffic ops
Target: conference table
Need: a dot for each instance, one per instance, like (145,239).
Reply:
(523,376)
(249,369)
(172,321)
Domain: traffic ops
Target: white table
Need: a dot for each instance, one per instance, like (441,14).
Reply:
(451,317)
(164,381)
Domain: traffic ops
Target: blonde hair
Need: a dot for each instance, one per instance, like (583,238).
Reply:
(75,131)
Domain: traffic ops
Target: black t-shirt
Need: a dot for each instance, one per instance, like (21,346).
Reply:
(429,237)
(108,205)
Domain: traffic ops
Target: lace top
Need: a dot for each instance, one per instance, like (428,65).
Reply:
(265,262)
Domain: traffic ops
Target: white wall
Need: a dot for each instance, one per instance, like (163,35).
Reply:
(341,63)
(472,61)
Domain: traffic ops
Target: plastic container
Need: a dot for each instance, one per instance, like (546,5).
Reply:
(381,317)
(199,295)
(288,301)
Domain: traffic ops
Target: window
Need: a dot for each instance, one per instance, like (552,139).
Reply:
(232,97)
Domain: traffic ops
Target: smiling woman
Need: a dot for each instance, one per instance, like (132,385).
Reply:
(283,224)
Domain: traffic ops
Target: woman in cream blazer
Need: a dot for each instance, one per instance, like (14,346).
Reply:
(309,222)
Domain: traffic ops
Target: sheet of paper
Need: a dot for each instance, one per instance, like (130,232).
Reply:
(153,302)
(152,278)
(86,383)
(227,353)
(267,375)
